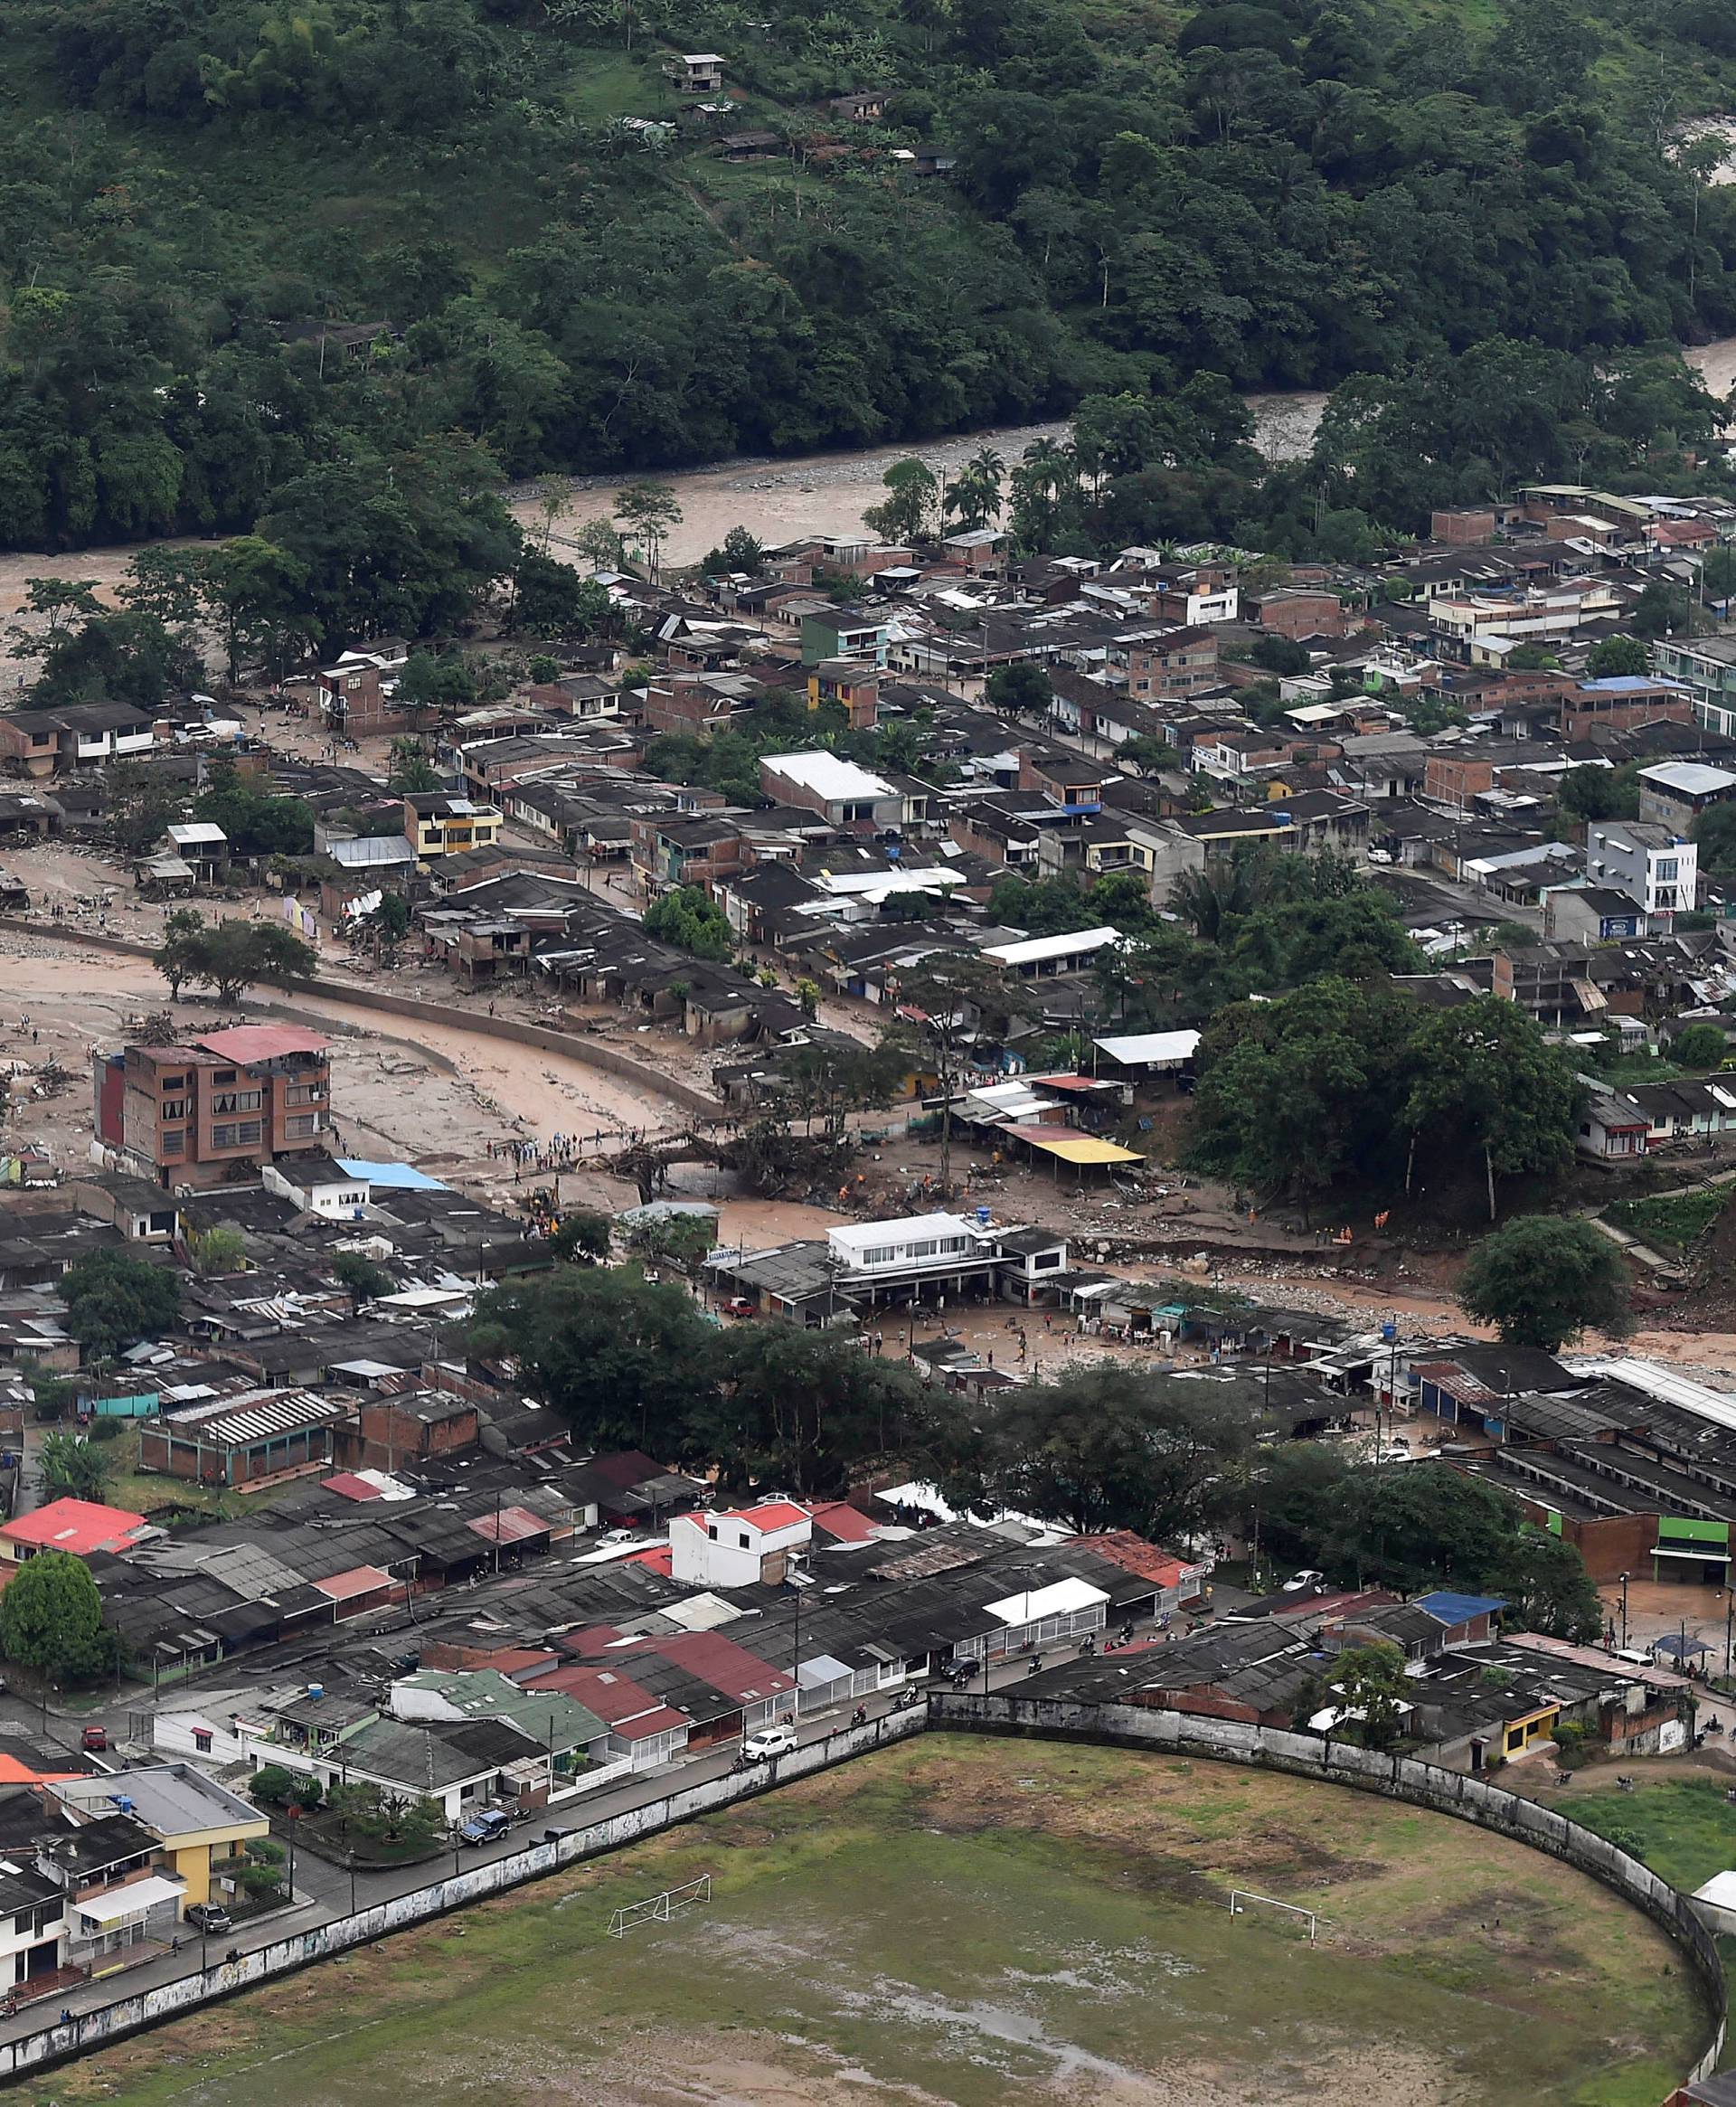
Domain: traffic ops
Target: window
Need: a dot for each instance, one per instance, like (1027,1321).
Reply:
(175,1108)
(1045,1258)
(238,1100)
(173,1144)
(202,1741)
(1667,867)
(223,1075)
(300,1128)
(236,1134)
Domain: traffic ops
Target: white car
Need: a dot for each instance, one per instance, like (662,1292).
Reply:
(770,1741)
(1307,1578)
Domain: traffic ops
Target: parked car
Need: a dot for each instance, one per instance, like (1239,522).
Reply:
(1307,1578)
(770,1741)
(207,1916)
(94,1740)
(739,1306)
(484,1828)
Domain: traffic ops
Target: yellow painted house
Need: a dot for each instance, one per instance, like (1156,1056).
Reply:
(201,1828)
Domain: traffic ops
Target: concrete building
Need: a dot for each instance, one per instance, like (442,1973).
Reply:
(844,795)
(1653,864)
(211,1110)
(1673,793)
(740,1548)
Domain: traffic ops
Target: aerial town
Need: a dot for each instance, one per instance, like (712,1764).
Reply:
(901,1142)
(867,1053)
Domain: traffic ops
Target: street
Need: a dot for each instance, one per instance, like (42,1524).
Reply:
(327,1892)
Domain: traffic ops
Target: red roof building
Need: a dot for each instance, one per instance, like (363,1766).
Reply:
(83,1527)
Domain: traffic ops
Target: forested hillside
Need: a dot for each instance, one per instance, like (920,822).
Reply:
(1280,195)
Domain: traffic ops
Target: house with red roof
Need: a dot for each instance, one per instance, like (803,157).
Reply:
(736,1549)
(83,1527)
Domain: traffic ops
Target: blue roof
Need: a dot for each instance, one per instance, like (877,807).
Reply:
(392,1177)
(1622,683)
(1454,1609)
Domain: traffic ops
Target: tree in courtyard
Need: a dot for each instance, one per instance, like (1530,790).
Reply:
(1595,792)
(217,1249)
(1713,832)
(1368,1524)
(51,1620)
(1370,1685)
(363,1277)
(1107,1447)
(806,1409)
(1618,657)
(1148,755)
(1702,1045)
(741,552)
(71,1464)
(624,1360)
(649,515)
(689,918)
(142,804)
(1718,574)
(1540,1280)
(1021,689)
(113,1299)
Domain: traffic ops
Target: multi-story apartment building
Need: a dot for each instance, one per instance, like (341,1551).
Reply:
(1655,865)
(216,1109)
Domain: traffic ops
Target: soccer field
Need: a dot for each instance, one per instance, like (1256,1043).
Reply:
(976,1922)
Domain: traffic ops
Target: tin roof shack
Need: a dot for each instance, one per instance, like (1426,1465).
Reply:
(121,1905)
(260,1437)
(462,1765)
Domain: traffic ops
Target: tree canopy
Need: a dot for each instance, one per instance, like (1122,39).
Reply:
(51,1620)
(113,1299)
(1542,1281)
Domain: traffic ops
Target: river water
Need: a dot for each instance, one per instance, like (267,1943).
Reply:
(778,500)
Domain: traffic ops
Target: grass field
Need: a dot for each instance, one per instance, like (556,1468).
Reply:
(977,1923)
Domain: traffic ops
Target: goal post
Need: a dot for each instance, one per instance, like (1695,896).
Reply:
(1240,1898)
(658,1909)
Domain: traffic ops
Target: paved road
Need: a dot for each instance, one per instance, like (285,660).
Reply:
(324,1891)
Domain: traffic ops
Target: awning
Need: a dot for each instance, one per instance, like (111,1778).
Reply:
(1058,1599)
(1068,1147)
(132,1901)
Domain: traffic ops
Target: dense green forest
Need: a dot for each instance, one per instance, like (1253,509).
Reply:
(1285,193)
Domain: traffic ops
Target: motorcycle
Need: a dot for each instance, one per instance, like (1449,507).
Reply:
(859,1717)
(905,1699)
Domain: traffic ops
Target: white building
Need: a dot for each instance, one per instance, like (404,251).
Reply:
(842,793)
(319,1187)
(738,1549)
(1650,863)
(1035,958)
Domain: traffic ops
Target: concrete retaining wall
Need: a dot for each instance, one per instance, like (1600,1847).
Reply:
(1449,1792)
(574,1045)
(127,2014)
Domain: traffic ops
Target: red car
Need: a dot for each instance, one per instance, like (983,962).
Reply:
(94,1740)
(739,1306)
